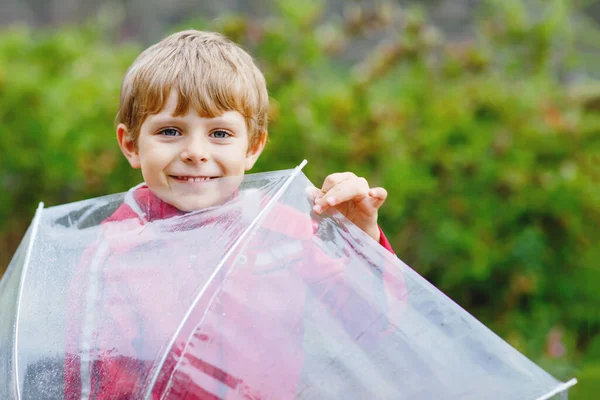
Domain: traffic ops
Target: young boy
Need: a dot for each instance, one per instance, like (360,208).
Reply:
(193,116)
(195,105)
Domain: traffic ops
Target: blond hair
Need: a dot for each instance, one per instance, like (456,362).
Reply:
(210,73)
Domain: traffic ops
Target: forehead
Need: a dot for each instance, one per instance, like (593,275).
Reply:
(170,112)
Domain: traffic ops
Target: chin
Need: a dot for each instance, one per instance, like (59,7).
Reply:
(201,195)
(199,202)
(195,202)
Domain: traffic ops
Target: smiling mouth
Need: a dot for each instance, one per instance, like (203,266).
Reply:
(192,178)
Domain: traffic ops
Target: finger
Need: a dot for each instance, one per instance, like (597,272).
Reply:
(313,193)
(377,197)
(354,189)
(335,179)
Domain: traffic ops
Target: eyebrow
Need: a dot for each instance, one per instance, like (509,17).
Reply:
(161,120)
(221,122)
(221,119)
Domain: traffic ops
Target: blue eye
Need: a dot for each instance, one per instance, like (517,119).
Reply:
(220,134)
(170,132)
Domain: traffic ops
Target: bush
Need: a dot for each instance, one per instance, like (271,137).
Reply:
(492,162)
(58,96)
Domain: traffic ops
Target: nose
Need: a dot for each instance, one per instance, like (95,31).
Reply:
(195,151)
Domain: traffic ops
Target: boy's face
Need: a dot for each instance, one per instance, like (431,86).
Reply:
(181,157)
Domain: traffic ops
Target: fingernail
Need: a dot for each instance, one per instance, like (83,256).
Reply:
(331,200)
(318,209)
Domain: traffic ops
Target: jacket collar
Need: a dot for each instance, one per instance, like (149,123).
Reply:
(140,203)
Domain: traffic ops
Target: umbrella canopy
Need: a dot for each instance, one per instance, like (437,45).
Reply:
(124,296)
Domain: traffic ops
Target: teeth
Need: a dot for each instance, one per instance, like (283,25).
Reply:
(192,179)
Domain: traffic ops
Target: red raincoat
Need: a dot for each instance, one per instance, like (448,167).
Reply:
(249,343)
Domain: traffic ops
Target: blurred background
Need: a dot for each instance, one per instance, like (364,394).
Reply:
(480,117)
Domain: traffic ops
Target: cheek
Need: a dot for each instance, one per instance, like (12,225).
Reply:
(153,162)
(159,155)
(234,157)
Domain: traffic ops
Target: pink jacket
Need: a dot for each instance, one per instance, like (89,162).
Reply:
(244,338)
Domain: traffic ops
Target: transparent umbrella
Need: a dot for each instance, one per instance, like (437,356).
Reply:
(125,297)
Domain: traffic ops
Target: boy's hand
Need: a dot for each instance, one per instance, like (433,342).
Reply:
(351,196)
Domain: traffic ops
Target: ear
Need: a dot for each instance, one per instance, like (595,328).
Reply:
(255,151)
(127,146)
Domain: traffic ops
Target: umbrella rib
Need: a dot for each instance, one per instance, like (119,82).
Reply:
(237,243)
(35,225)
(560,388)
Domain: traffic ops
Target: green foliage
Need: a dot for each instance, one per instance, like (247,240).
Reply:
(491,162)
(58,96)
